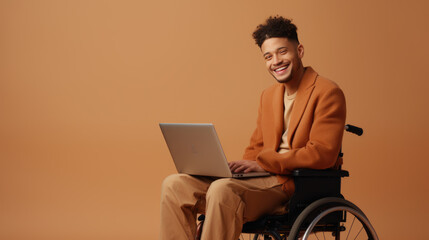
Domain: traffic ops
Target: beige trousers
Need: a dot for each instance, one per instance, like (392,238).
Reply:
(227,203)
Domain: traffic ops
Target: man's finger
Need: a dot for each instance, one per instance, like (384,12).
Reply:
(241,169)
(234,167)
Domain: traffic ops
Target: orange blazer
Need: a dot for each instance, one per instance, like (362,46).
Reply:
(315,134)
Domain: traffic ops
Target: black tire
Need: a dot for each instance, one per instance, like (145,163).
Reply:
(304,225)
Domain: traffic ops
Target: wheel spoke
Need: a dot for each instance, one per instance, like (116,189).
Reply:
(359,232)
(351,226)
(315,234)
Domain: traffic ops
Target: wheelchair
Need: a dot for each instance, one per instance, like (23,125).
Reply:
(317,210)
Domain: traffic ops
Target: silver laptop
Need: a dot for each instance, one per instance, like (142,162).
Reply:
(196,150)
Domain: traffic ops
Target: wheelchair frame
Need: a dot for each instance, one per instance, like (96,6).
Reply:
(316,206)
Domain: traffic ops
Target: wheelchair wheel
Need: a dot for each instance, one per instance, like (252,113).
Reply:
(332,218)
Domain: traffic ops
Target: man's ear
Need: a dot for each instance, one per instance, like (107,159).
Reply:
(300,49)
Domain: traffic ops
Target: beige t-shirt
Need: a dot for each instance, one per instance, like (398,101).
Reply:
(288,103)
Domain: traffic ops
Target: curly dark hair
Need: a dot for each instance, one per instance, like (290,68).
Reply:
(275,27)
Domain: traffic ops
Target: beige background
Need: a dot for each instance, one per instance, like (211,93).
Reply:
(84,84)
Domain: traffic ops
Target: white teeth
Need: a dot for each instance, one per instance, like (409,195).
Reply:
(279,69)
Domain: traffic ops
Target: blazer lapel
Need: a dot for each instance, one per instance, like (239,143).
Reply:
(303,95)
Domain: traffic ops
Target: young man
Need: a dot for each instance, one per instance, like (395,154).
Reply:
(300,125)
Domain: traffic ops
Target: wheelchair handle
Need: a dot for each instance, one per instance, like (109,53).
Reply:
(353,129)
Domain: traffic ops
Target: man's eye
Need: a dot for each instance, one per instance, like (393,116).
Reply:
(283,52)
(268,57)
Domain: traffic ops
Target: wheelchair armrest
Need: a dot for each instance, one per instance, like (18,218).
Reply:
(319,173)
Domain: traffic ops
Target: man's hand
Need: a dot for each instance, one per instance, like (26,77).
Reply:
(245,166)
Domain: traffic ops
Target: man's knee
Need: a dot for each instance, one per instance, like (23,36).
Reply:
(174,182)
(222,190)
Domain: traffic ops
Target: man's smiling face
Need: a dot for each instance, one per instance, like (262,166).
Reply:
(282,58)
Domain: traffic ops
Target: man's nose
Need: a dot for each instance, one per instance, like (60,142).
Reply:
(277,60)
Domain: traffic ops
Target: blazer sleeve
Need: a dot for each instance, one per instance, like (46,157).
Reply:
(256,141)
(324,141)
